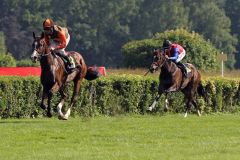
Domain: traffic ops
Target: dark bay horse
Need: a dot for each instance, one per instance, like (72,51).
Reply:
(172,79)
(54,77)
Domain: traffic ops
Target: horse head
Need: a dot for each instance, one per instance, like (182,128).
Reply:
(158,60)
(39,47)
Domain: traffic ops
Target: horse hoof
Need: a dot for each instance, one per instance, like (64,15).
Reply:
(149,110)
(165,109)
(185,115)
(199,113)
(43,106)
(62,118)
(49,114)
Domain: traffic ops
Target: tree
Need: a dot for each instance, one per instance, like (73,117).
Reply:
(206,18)
(2,43)
(100,28)
(18,20)
(232,11)
(157,16)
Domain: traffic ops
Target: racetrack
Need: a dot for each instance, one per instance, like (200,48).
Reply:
(122,137)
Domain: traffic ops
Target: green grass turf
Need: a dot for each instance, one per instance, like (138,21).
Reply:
(122,138)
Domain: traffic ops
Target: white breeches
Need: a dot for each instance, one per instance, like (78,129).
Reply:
(54,44)
(181,56)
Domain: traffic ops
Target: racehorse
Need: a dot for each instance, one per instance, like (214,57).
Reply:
(172,79)
(54,77)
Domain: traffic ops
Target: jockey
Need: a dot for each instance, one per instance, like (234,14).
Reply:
(57,39)
(176,53)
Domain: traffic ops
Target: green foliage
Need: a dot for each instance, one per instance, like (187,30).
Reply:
(198,51)
(19,97)
(2,43)
(231,9)
(113,95)
(26,63)
(138,53)
(157,16)
(206,18)
(98,29)
(7,60)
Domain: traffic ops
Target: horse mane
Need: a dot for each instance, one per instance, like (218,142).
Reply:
(168,64)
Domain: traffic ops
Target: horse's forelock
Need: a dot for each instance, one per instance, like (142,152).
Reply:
(155,53)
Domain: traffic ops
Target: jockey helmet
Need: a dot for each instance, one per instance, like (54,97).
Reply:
(48,23)
(166,44)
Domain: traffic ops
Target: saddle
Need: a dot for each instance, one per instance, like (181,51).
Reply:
(69,61)
(184,68)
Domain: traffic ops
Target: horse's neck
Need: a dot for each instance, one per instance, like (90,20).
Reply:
(168,68)
(47,61)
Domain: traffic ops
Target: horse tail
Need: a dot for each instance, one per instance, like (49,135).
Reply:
(201,90)
(92,74)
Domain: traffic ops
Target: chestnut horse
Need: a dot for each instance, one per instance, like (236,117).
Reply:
(54,77)
(172,79)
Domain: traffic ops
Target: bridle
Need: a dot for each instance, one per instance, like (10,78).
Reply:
(36,54)
(41,55)
(157,57)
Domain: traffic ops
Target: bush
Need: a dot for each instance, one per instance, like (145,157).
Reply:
(139,53)
(199,52)
(20,97)
(7,60)
(27,63)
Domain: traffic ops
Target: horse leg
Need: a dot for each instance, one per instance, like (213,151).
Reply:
(44,96)
(197,108)
(166,102)
(154,102)
(187,108)
(77,85)
(49,110)
(59,107)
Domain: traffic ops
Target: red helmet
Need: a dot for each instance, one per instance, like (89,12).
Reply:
(48,23)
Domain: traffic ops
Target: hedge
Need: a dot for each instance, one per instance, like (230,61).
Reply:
(113,95)
(199,52)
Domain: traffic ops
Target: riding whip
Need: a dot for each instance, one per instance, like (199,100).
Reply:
(147,72)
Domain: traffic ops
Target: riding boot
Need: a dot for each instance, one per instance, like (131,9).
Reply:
(69,65)
(185,69)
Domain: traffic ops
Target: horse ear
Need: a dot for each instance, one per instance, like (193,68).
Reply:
(34,36)
(42,35)
(155,51)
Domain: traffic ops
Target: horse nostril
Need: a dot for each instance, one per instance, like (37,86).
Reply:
(152,69)
(34,58)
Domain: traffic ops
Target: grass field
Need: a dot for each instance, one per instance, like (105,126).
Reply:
(122,138)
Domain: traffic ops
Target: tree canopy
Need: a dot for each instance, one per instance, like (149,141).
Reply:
(98,28)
